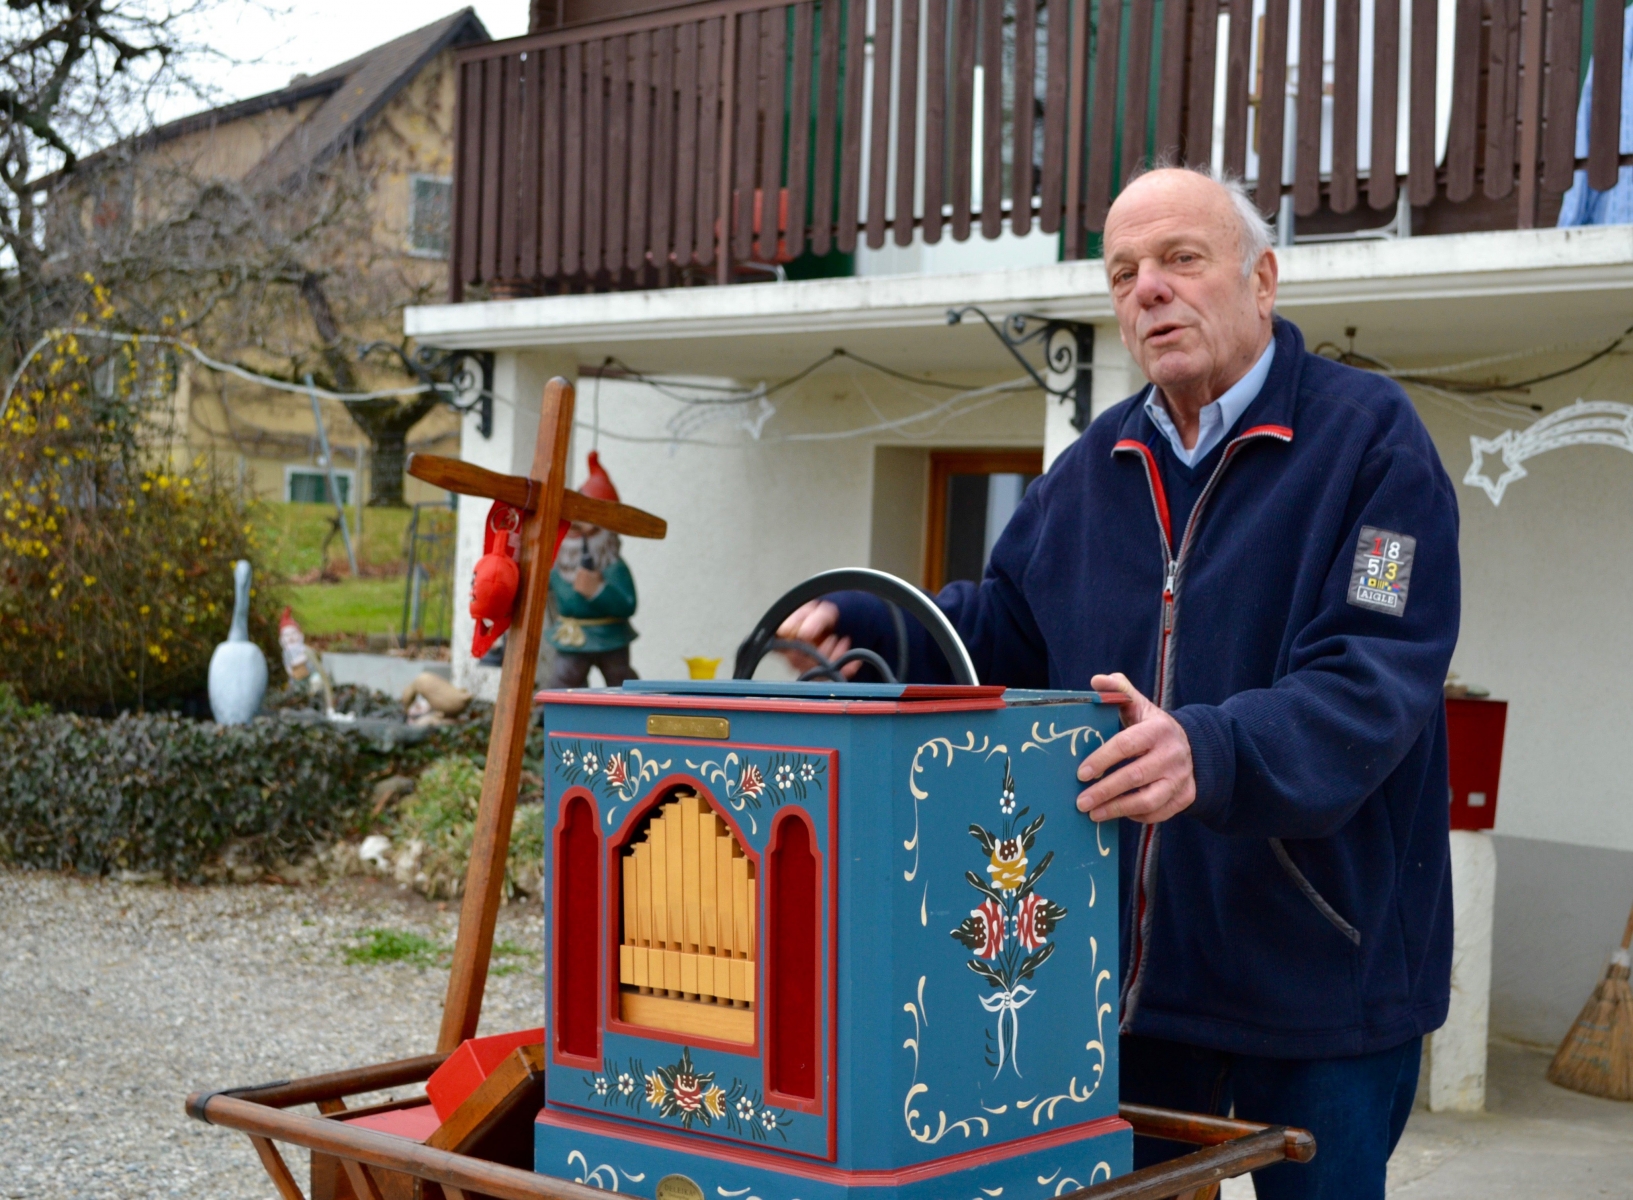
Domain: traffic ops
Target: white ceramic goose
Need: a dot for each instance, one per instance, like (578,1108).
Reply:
(237,668)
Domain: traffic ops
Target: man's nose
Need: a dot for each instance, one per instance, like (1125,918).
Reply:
(1151,286)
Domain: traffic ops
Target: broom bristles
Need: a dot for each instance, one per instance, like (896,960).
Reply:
(1596,1056)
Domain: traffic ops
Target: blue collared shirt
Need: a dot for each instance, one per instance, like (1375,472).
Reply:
(1218,417)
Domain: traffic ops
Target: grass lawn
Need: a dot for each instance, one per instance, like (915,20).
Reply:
(367,605)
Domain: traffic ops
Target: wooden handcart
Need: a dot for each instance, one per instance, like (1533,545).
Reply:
(483,1148)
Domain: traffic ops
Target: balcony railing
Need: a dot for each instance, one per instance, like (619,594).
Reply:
(688,145)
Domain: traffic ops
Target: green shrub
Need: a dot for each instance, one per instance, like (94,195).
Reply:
(158,793)
(441,816)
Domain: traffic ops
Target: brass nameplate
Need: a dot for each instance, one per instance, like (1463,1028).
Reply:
(678,1187)
(699,727)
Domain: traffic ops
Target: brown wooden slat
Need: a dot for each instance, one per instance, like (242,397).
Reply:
(510,161)
(745,136)
(1137,86)
(1307,131)
(852,117)
(1199,106)
(992,118)
(827,123)
(964,21)
(1238,63)
(1502,98)
(1273,106)
(879,120)
(663,148)
(1077,118)
(1605,108)
(1103,115)
(595,154)
(1346,104)
(1026,116)
(799,127)
(492,149)
(633,245)
(1420,157)
(710,129)
(552,114)
(1460,141)
(773,60)
(1051,184)
(532,140)
(1559,116)
(689,156)
(1169,142)
(572,171)
(624,160)
(907,124)
(1530,101)
(467,175)
(1386,67)
(729,87)
(935,116)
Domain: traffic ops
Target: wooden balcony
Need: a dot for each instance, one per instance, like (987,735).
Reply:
(713,142)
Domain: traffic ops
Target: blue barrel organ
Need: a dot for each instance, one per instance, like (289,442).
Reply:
(808,942)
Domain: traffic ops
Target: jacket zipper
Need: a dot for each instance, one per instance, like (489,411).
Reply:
(1146,861)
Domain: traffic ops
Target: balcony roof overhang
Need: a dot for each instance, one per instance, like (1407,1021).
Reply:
(1412,300)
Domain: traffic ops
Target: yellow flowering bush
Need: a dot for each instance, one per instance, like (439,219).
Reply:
(116,545)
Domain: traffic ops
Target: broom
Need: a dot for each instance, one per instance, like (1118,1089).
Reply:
(1596,1056)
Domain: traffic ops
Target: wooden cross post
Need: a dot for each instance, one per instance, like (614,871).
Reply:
(543,496)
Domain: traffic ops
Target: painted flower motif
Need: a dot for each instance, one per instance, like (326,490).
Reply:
(1006,798)
(592,764)
(626,1083)
(745,1109)
(656,1092)
(714,1102)
(600,1085)
(768,1118)
(752,782)
(617,773)
(568,758)
(1026,922)
(1008,864)
(688,1092)
(807,771)
(785,777)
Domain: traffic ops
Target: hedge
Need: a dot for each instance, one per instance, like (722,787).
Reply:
(160,793)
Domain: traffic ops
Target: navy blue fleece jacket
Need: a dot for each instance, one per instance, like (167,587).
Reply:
(1301,907)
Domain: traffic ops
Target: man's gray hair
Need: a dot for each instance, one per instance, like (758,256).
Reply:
(1254,234)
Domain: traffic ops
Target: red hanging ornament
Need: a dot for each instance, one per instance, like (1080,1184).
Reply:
(493,590)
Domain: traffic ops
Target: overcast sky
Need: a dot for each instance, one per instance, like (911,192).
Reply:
(305,36)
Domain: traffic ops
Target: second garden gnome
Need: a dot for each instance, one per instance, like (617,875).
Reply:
(592,597)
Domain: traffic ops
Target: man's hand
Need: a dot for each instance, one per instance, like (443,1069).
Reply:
(1154,781)
(587,583)
(815,622)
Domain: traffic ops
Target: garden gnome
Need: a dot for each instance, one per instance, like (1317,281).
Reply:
(592,597)
(237,668)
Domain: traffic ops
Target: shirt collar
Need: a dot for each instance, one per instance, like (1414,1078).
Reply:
(1216,418)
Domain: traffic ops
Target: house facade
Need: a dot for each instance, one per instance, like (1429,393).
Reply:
(741,227)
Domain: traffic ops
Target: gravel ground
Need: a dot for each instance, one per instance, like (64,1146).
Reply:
(118,999)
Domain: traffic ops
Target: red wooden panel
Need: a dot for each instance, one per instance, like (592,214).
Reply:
(1103,115)
(1502,98)
(468,179)
(1559,115)
(964,21)
(1465,117)
(493,128)
(711,127)
(1077,115)
(1171,105)
(773,60)
(688,153)
(532,138)
(510,215)
(1420,156)
(1238,59)
(1605,108)
(1386,68)
(663,148)
(636,240)
(852,118)
(827,123)
(1056,100)
(1346,103)
(1273,105)
(595,153)
(799,129)
(935,116)
(992,118)
(1474,736)
(907,123)
(572,171)
(884,36)
(1199,105)
(1137,85)
(624,116)
(1026,115)
(552,116)
(1307,153)
(577,910)
(745,141)
(794,969)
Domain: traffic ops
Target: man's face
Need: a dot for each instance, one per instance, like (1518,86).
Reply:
(1189,317)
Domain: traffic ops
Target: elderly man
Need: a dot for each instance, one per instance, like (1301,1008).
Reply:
(1264,544)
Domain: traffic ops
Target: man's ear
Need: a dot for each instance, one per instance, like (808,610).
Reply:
(1266,273)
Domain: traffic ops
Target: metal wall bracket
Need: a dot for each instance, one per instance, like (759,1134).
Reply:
(1068,349)
(452,374)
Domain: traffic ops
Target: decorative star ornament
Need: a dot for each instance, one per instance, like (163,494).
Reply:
(1585,423)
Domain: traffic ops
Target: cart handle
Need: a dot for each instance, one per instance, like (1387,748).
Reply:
(858,579)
